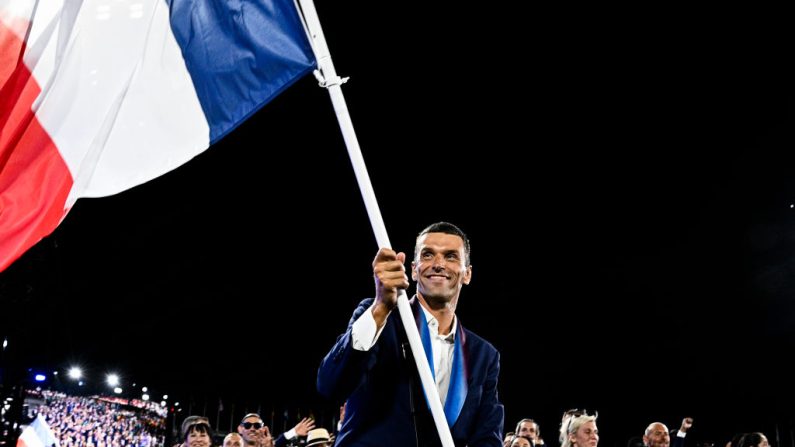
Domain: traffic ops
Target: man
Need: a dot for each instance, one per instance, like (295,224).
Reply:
(530,429)
(233,440)
(372,369)
(657,434)
(256,434)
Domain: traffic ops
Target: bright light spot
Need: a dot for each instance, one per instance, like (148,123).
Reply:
(165,397)
(39,377)
(145,397)
(117,390)
(176,404)
(75,372)
(144,389)
(5,343)
(113,379)
(162,403)
(80,383)
(792,205)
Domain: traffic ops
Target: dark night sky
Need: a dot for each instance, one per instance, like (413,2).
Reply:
(624,175)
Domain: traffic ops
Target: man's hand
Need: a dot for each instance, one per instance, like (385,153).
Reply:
(390,275)
(266,440)
(303,427)
(686,424)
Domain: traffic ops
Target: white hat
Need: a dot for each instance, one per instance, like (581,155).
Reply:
(318,436)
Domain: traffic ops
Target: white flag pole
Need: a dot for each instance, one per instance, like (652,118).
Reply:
(328,78)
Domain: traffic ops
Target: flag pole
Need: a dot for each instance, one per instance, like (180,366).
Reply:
(328,79)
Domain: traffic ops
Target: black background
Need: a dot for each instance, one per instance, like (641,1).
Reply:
(624,174)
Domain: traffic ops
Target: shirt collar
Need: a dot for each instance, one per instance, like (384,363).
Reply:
(429,318)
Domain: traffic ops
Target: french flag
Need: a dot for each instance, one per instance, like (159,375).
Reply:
(37,434)
(99,96)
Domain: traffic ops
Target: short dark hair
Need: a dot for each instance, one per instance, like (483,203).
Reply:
(447,228)
(196,423)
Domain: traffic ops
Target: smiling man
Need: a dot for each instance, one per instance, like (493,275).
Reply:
(372,369)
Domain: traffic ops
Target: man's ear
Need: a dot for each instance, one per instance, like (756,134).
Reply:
(468,275)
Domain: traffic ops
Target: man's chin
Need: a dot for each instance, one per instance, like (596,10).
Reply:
(436,296)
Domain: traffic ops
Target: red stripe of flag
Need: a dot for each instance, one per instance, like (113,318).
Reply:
(34,180)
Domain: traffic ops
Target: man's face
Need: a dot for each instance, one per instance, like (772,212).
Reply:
(440,269)
(658,436)
(528,429)
(233,440)
(251,429)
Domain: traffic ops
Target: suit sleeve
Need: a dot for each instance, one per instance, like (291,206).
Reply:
(281,441)
(491,413)
(676,440)
(344,368)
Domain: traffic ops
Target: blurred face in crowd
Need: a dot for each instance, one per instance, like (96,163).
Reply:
(198,436)
(521,441)
(657,436)
(586,436)
(251,429)
(529,429)
(233,440)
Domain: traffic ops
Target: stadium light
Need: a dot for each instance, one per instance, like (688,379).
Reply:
(113,379)
(117,390)
(165,397)
(39,377)
(5,343)
(75,373)
(145,389)
(145,397)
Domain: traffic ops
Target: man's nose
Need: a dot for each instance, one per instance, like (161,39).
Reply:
(438,262)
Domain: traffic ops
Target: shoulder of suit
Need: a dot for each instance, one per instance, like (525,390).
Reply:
(474,340)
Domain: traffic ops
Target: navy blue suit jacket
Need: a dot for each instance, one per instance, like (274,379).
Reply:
(386,406)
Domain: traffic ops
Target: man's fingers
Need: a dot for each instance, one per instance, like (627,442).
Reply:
(384,255)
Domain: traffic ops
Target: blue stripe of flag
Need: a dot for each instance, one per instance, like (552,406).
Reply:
(240,54)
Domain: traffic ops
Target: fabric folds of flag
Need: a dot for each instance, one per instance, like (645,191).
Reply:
(37,434)
(99,96)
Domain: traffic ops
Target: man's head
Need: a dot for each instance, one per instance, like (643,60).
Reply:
(656,435)
(441,263)
(233,440)
(529,428)
(251,428)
